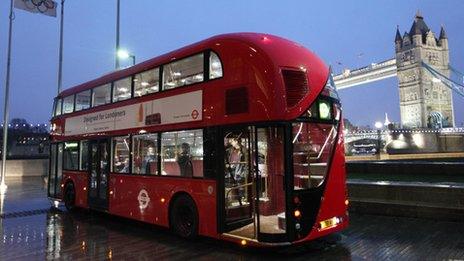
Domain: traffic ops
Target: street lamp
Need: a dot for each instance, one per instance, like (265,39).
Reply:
(378,125)
(123,54)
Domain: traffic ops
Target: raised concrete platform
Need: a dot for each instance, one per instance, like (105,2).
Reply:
(26,167)
(406,199)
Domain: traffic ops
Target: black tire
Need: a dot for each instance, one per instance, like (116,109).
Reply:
(69,197)
(183,217)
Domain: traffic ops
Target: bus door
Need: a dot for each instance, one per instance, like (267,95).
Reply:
(99,172)
(238,182)
(55,173)
(253,185)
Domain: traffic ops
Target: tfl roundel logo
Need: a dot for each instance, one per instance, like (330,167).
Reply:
(143,199)
(194,114)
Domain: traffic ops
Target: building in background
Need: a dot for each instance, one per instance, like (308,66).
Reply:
(424,101)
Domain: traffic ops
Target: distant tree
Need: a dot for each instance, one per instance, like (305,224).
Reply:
(20,124)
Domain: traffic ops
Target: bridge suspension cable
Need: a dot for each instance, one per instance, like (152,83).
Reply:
(445,80)
(457,72)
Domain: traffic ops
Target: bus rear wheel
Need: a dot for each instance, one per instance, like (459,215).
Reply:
(184,217)
(69,197)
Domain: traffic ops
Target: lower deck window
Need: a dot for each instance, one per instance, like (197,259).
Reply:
(145,154)
(182,153)
(71,156)
(121,154)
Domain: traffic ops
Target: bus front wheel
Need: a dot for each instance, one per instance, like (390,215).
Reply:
(69,197)
(184,217)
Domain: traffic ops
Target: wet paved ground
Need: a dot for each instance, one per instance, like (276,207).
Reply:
(30,231)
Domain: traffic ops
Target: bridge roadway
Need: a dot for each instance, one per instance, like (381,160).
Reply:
(30,231)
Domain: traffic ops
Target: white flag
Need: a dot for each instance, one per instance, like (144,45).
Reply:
(46,7)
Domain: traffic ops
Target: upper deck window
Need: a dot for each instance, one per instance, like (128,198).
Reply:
(146,82)
(101,95)
(183,72)
(215,66)
(122,89)
(68,104)
(58,107)
(83,100)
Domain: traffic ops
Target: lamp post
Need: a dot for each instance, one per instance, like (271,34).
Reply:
(3,186)
(118,5)
(123,54)
(378,125)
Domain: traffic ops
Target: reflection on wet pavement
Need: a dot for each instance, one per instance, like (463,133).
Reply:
(48,234)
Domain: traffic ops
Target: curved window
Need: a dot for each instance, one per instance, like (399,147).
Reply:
(312,146)
(215,66)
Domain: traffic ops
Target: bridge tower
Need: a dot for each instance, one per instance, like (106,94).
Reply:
(424,101)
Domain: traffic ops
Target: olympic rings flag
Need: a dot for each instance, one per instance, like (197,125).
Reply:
(46,7)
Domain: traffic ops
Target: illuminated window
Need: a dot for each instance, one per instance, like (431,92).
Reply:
(71,156)
(58,107)
(84,155)
(121,154)
(183,72)
(68,104)
(215,66)
(145,154)
(182,153)
(122,89)
(146,82)
(101,95)
(312,144)
(83,100)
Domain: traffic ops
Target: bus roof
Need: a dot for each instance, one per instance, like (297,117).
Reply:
(271,44)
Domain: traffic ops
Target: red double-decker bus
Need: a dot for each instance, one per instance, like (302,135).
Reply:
(237,137)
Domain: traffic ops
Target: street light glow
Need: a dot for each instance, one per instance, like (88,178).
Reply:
(123,54)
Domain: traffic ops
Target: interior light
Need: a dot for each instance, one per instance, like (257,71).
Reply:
(243,242)
(297,213)
(347,202)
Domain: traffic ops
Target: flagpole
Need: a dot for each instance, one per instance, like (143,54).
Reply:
(3,186)
(60,59)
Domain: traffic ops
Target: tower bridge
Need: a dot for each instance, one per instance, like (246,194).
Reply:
(422,66)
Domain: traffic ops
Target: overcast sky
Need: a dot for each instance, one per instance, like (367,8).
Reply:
(353,33)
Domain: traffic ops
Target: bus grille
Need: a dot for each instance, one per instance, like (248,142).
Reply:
(296,86)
